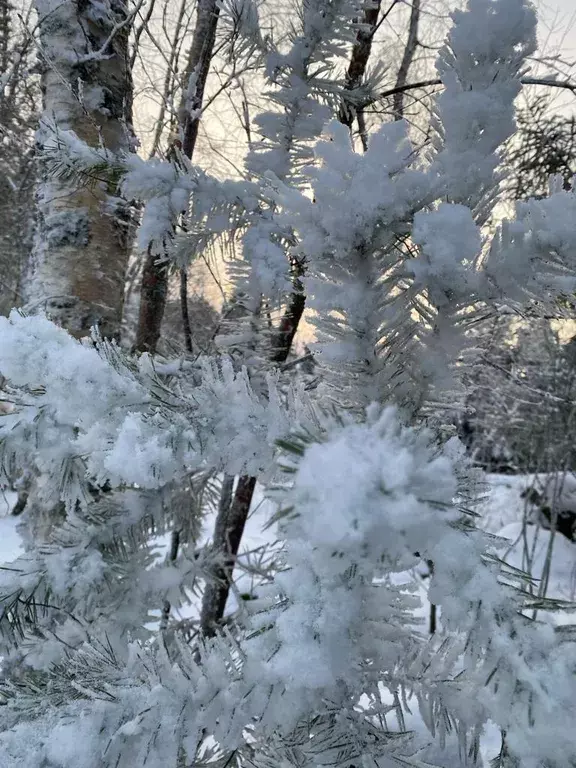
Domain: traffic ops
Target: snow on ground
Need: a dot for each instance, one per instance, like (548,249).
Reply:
(549,559)
(10,542)
(502,503)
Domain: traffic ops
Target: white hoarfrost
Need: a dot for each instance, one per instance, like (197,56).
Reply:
(319,662)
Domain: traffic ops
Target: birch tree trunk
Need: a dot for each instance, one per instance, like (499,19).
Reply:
(83,234)
(81,248)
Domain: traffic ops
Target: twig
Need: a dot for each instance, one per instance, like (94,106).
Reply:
(185,312)
(544,81)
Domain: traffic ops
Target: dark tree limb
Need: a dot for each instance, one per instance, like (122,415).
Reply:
(233,510)
(153,294)
(197,71)
(407,58)
(282,343)
(228,531)
(359,61)
(548,82)
(172,557)
(433,618)
(184,307)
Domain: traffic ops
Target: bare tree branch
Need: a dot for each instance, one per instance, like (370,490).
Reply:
(168,79)
(549,82)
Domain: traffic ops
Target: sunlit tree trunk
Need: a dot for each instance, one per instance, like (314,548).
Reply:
(154,274)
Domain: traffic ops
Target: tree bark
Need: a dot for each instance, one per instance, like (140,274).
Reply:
(357,68)
(155,275)
(84,232)
(228,532)
(407,58)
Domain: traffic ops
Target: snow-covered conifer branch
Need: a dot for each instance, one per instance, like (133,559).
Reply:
(331,627)
(480,66)
(381,305)
(375,302)
(80,410)
(242,19)
(362,205)
(302,87)
(87,408)
(355,632)
(300,83)
(533,257)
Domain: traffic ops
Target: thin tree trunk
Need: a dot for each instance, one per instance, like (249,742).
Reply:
(290,321)
(358,62)
(155,275)
(407,58)
(153,293)
(186,325)
(197,72)
(433,618)
(228,531)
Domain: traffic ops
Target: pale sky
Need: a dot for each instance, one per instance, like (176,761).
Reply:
(557,29)
(561,14)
